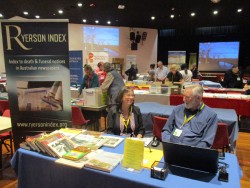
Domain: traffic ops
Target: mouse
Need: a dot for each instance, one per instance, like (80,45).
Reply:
(155,142)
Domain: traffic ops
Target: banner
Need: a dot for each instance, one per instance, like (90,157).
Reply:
(37,70)
(176,57)
(192,59)
(95,57)
(76,69)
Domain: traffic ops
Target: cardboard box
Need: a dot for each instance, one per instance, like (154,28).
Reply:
(94,97)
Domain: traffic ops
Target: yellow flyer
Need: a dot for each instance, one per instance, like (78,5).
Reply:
(133,154)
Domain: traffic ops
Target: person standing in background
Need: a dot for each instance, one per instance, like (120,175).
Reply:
(131,72)
(112,83)
(151,72)
(100,72)
(161,72)
(174,75)
(186,74)
(194,71)
(233,78)
(90,79)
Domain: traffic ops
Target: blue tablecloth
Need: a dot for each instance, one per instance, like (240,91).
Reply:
(36,170)
(150,109)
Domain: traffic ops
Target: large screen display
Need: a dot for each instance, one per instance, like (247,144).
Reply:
(97,38)
(218,56)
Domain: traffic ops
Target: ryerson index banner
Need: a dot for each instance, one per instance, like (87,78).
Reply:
(38,78)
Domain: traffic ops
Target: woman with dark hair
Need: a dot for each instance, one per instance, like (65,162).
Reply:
(90,79)
(186,74)
(125,118)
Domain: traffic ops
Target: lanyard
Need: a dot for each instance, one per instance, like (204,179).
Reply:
(126,122)
(186,120)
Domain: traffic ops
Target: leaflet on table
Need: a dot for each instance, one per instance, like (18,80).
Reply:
(150,156)
(133,154)
(104,161)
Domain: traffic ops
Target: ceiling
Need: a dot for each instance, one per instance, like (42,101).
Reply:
(137,13)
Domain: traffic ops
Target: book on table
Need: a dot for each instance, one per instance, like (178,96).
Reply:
(62,146)
(78,163)
(43,142)
(88,141)
(30,140)
(74,155)
(104,161)
(70,132)
(112,141)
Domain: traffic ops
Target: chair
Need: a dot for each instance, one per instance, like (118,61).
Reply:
(159,123)
(221,140)
(78,119)
(4,104)
(4,137)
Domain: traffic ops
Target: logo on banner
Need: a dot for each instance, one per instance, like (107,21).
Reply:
(14,34)
(91,57)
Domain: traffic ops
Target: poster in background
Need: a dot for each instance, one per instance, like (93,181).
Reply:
(130,59)
(192,59)
(76,68)
(95,57)
(38,77)
(176,57)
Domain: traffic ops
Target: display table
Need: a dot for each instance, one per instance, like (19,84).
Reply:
(241,106)
(159,98)
(40,171)
(149,110)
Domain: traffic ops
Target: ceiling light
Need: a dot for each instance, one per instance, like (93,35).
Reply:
(171,16)
(109,22)
(37,16)
(79,4)
(152,18)
(192,14)
(215,1)
(97,21)
(121,7)
(239,10)
(25,13)
(84,20)
(60,11)
(1,15)
(92,5)
(215,12)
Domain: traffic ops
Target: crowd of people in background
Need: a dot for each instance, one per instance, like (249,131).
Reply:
(124,118)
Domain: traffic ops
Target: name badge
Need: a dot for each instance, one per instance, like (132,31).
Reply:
(238,78)
(177,132)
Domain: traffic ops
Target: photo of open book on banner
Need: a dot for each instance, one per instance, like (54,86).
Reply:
(39,96)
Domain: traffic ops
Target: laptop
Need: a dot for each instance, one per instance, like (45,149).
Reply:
(190,157)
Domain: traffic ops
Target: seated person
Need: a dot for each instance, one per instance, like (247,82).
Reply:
(247,87)
(192,123)
(125,118)
(233,78)
(174,75)
(90,79)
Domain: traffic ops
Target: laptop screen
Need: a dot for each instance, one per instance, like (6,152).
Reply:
(191,157)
